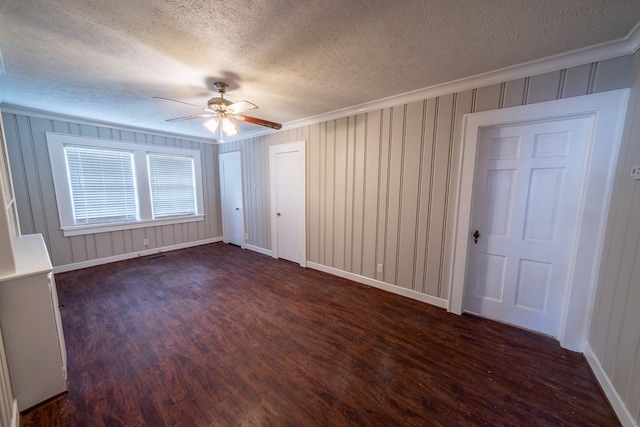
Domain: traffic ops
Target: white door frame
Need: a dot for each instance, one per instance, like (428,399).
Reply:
(302,197)
(606,112)
(225,226)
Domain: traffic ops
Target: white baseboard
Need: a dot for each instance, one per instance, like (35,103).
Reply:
(258,249)
(438,302)
(130,255)
(15,414)
(625,417)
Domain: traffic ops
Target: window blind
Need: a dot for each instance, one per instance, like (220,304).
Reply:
(102,185)
(172,181)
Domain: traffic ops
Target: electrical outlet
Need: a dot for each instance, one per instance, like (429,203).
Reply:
(145,242)
(379,268)
(635,171)
(246,237)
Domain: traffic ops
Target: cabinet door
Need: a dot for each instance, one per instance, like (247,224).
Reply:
(31,340)
(58,319)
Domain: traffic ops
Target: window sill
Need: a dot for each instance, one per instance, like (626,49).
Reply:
(80,230)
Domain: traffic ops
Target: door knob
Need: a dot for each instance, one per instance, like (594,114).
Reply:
(278,213)
(475,236)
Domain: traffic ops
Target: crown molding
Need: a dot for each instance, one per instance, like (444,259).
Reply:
(14,109)
(633,38)
(601,52)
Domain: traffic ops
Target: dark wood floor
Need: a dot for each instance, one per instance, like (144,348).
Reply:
(219,336)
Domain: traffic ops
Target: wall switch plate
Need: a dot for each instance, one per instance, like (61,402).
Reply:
(635,171)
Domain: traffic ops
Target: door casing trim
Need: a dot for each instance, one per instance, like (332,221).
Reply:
(606,112)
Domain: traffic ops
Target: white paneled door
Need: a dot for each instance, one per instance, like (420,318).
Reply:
(523,225)
(232,198)
(287,173)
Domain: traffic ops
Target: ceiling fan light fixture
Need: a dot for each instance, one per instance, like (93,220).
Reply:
(212,125)
(229,126)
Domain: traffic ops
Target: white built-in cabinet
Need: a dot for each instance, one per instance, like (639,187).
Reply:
(31,327)
(8,214)
(29,314)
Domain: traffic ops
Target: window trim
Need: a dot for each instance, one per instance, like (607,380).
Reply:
(56,143)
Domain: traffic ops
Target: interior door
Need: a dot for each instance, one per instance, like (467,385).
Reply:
(287,162)
(232,198)
(526,195)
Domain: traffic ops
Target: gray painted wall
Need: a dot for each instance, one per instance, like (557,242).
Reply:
(380,184)
(35,196)
(614,335)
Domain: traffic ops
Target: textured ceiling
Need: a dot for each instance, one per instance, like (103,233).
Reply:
(106,60)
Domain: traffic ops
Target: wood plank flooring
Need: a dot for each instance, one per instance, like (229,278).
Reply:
(219,336)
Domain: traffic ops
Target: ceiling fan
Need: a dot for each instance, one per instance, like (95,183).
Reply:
(223,112)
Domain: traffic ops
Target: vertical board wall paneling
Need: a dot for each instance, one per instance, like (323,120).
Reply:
(544,87)
(515,93)
(409,194)
(329,192)
(381,185)
(349,194)
(441,166)
(609,74)
(340,194)
(488,98)
(313,195)
(577,81)
(614,336)
(429,287)
(321,155)
(35,195)
(394,181)
(383,191)
(358,212)
(371,183)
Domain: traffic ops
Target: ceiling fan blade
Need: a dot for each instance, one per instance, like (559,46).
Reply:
(241,107)
(180,102)
(197,116)
(260,122)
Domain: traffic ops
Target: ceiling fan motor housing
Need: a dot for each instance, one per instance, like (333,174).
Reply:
(218,104)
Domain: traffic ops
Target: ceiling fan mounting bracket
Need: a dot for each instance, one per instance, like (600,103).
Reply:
(222,87)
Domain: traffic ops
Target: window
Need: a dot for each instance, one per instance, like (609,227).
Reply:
(172,189)
(103,185)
